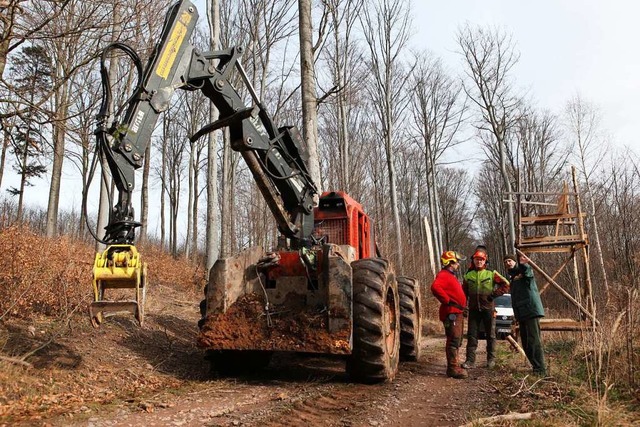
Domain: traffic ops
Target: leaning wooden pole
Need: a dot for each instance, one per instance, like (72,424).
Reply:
(559,288)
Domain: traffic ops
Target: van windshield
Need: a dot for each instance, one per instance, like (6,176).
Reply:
(503,301)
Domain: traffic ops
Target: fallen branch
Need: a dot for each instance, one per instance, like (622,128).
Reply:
(16,361)
(512,416)
(57,334)
(529,389)
(516,346)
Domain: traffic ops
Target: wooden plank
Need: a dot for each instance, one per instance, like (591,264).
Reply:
(539,193)
(571,238)
(564,325)
(547,217)
(545,249)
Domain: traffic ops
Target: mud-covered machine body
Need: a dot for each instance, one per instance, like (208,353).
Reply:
(324,289)
(335,297)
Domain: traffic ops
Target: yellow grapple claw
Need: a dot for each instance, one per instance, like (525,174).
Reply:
(118,267)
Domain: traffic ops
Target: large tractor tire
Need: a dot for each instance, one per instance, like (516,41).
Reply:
(376,322)
(410,318)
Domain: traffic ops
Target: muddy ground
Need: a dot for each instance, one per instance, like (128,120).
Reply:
(121,375)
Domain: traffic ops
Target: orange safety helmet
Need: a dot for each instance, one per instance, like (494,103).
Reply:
(480,254)
(448,257)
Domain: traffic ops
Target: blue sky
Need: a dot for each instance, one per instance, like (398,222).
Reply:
(587,47)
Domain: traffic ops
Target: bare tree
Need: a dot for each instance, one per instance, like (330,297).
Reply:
(438,113)
(212,248)
(489,214)
(386,26)
(80,126)
(33,70)
(264,27)
(489,56)
(69,51)
(582,122)
(175,145)
(454,186)
(16,27)
(195,109)
(308,90)
(344,61)
(534,151)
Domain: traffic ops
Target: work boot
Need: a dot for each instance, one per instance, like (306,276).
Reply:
(457,372)
(468,365)
(491,363)
(453,367)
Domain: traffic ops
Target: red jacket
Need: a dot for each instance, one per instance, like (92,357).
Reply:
(446,288)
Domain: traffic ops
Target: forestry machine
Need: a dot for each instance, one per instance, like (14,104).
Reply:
(324,289)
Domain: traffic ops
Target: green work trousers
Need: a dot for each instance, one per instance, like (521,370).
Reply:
(532,344)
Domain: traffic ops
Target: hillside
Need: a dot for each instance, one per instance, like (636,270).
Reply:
(56,369)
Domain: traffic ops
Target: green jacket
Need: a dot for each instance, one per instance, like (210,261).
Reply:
(525,297)
(481,286)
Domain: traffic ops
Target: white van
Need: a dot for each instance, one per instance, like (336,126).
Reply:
(504,316)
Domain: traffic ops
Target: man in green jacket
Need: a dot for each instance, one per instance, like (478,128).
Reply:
(527,310)
(481,286)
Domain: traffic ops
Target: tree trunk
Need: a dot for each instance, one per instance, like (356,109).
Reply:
(190,200)
(144,196)
(507,185)
(213,249)
(194,215)
(308,89)
(59,130)
(163,180)
(227,200)
(23,176)
(3,153)
(103,208)
(85,172)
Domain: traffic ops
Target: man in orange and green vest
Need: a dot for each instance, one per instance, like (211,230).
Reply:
(481,286)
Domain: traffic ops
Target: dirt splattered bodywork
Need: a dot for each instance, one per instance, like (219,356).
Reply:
(281,302)
(334,297)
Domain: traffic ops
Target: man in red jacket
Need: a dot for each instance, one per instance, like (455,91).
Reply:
(447,289)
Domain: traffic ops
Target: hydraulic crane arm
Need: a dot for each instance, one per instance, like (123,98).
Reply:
(276,157)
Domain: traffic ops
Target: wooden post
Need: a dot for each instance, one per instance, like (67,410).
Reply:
(427,233)
(585,253)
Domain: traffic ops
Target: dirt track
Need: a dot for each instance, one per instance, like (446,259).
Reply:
(122,375)
(300,390)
